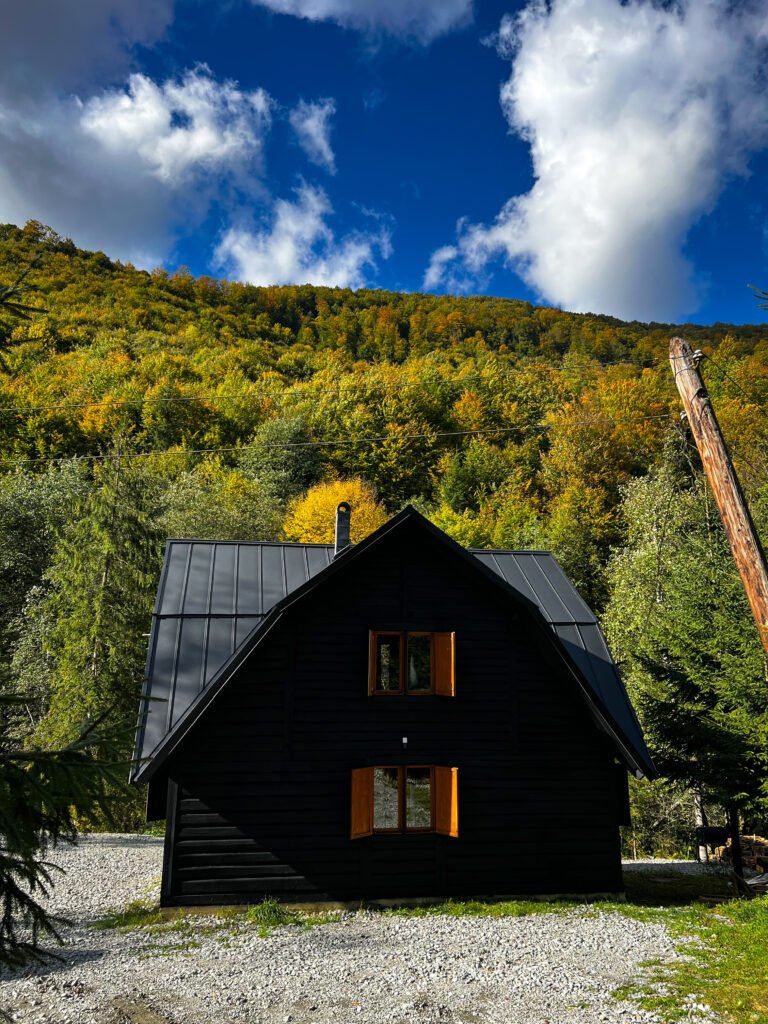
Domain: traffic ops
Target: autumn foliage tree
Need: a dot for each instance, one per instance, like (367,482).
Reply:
(312,518)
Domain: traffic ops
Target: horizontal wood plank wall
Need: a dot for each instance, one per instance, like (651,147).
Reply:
(264,778)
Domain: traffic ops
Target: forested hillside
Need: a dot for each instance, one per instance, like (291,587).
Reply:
(134,406)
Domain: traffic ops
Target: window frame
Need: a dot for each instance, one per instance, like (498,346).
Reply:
(402,801)
(444,801)
(373,662)
(448,689)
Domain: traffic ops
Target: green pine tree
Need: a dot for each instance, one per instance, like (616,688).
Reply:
(281,456)
(43,794)
(101,587)
(34,509)
(680,627)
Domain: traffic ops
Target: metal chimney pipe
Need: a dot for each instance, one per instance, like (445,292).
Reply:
(342,527)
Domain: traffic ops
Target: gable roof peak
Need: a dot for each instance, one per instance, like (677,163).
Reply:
(241,593)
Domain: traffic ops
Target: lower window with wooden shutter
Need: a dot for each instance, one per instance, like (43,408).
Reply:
(404,798)
(362,803)
(447,801)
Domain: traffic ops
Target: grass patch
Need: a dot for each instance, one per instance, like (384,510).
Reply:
(646,891)
(727,965)
(269,914)
(480,908)
(234,922)
(135,915)
(166,949)
(155,829)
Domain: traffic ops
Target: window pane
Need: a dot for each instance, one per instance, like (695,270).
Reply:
(418,798)
(387,662)
(386,798)
(419,661)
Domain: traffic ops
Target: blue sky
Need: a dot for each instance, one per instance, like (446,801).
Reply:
(591,154)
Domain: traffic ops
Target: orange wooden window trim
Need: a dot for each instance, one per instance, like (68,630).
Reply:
(442,657)
(373,635)
(444,664)
(361,813)
(391,831)
(406,687)
(447,801)
(406,827)
(402,808)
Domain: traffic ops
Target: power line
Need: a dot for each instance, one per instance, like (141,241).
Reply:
(726,376)
(660,547)
(292,391)
(734,443)
(329,443)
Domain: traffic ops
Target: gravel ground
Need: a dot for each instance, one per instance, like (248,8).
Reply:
(363,967)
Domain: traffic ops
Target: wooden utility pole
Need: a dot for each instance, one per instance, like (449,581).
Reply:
(740,530)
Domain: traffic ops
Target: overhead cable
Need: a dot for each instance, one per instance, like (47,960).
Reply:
(293,391)
(329,442)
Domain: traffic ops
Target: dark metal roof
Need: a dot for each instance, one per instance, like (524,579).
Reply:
(213,595)
(538,575)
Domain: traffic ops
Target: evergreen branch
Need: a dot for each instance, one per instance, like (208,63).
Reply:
(42,795)
(17,308)
(11,306)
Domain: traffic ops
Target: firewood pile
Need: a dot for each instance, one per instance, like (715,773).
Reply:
(754,853)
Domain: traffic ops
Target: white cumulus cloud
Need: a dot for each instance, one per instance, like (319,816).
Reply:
(637,114)
(127,169)
(180,126)
(423,20)
(445,270)
(312,124)
(299,247)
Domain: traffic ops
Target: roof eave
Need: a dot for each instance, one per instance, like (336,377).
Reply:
(149,765)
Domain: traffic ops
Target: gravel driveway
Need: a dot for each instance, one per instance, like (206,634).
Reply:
(364,967)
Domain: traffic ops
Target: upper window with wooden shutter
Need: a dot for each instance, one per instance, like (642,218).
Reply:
(444,645)
(411,662)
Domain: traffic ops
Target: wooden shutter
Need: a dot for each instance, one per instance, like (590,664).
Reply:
(445,668)
(361,818)
(447,801)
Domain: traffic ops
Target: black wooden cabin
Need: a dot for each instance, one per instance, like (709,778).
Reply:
(403,719)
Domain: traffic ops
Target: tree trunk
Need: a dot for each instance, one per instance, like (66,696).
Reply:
(739,528)
(733,823)
(701,822)
(105,573)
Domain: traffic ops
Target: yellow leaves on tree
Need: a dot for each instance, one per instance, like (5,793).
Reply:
(469,412)
(312,518)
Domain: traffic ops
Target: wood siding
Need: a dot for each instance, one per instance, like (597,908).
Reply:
(264,777)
